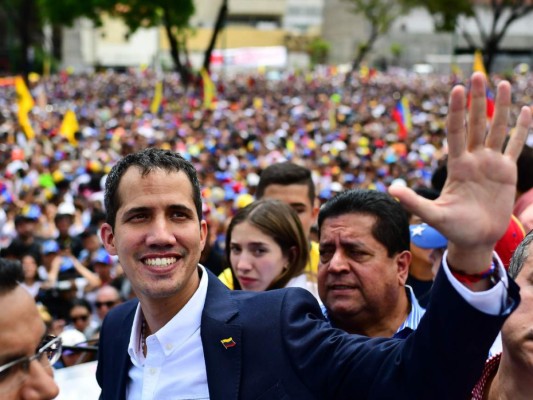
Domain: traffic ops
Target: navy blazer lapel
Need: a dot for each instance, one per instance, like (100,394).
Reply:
(121,359)
(222,342)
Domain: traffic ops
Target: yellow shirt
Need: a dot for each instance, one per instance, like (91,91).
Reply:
(311,268)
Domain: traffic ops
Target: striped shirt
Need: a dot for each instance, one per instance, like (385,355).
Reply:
(410,323)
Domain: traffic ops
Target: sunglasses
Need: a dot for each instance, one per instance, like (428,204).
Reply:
(108,304)
(80,317)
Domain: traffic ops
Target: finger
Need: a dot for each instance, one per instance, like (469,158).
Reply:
(498,129)
(477,115)
(455,122)
(519,136)
(415,204)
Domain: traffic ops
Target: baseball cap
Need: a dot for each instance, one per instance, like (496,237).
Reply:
(30,212)
(66,209)
(50,246)
(72,338)
(427,237)
(102,257)
(510,240)
(243,200)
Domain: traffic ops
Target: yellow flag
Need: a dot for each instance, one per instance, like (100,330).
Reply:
(158,96)
(69,127)
(25,104)
(209,89)
(479,66)
(258,103)
(291,146)
(364,71)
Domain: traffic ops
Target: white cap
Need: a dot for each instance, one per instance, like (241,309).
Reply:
(66,208)
(335,187)
(72,337)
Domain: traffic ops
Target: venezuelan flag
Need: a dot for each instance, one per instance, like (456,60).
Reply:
(402,115)
(479,66)
(209,89)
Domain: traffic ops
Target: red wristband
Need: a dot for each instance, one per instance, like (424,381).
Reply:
(467,278)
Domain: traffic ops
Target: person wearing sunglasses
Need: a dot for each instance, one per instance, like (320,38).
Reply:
(81,319)
(26,352)
(107,297)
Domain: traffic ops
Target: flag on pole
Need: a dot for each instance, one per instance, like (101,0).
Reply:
(69,127)
(8,81)
(479,66)
(402,115)
(158,97)
(209,89)
(25,104)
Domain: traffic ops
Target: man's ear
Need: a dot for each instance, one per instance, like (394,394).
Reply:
(203,233)
(108,238)
(403,261)
(316,209)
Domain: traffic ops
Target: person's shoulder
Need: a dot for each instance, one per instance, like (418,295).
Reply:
(272,299)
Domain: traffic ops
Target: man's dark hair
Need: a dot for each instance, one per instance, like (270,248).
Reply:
(524,165)
(146,161)
(391,227)
(520,255)
(11,274)
(285,173)
(77,302)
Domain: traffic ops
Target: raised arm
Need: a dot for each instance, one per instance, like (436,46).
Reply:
(476,202)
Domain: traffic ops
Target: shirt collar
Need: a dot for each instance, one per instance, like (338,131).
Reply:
(412,320)
(416,313)
(176,331)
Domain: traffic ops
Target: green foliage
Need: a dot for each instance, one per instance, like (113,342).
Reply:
(318,50)
(445,12)
(379,13)
(65,12)
(148,13)
(396,49)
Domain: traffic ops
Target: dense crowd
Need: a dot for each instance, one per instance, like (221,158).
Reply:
(52,187)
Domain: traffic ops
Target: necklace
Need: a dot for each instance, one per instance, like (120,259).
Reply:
(143,337)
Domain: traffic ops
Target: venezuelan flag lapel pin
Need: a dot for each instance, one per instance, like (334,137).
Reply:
(227,343)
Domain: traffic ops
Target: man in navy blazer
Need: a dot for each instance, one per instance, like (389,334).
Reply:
(189,337)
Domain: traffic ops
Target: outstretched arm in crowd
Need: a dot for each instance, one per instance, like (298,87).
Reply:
(93,281)
(475,204)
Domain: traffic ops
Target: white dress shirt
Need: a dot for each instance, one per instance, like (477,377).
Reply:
(492,301)
(174,367)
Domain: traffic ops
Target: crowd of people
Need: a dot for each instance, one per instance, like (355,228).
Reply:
(267,155)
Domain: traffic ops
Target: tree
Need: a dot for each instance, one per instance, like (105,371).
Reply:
(219,25)
(380,14)
(451,15)
(60,13)
(318,50)
(23,22)
(173,15)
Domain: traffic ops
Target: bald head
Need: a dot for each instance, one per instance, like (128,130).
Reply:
(106,298)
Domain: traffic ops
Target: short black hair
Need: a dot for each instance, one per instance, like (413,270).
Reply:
(11,274)
(146,161)
(392,223)
(285,173)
